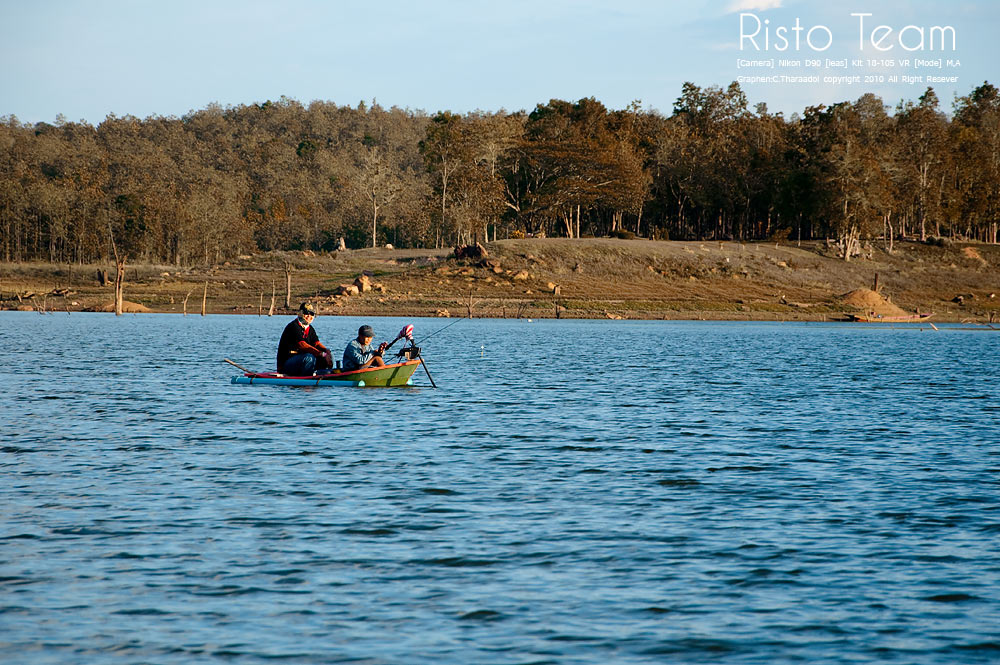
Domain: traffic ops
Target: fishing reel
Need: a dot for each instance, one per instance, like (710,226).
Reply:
(408,352)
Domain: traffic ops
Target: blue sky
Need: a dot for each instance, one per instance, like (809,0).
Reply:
(88,59)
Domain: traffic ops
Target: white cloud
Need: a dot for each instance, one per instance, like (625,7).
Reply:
(752,5)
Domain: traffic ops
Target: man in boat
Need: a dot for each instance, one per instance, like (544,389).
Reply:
(300,352)
(359,353)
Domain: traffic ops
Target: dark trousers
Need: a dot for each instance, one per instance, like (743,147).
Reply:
(301,364)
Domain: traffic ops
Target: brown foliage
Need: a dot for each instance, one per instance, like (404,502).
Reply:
(223,182)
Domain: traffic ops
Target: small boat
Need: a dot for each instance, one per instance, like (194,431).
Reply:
(876,318)
(396,374)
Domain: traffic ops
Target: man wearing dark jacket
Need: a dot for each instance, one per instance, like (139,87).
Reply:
(300,352)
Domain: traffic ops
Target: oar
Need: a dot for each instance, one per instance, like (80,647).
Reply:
(238,366)
(424,363)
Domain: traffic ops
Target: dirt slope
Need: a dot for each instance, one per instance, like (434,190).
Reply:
(581,278)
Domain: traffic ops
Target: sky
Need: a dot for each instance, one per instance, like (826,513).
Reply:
(84,60)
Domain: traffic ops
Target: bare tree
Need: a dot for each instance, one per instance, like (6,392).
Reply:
(120,260)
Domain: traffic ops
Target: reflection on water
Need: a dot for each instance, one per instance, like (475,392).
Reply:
(575,492)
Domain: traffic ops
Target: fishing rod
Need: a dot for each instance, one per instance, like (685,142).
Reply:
(439,330)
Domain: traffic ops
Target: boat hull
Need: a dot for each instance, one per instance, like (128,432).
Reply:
(909,318)
(394,375)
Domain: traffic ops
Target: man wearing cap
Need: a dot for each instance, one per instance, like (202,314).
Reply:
(359,353)
(300,352)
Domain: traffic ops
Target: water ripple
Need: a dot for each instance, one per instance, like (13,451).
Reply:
(744,493)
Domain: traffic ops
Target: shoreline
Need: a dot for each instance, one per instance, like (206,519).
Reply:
(591,278)
(924,324)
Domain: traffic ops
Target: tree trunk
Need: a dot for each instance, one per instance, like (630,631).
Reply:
(470,304)
(119,283)
(288,286)
(204,298)
(119,270)
(850,242)
(444,198)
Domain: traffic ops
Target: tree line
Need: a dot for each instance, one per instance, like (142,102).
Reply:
(222,182)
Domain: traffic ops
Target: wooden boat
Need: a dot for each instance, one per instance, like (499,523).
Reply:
(396,374)
(905,318)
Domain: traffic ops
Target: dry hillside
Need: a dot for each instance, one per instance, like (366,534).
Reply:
(584,278)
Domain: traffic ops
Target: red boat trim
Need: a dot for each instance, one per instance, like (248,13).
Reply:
(335,376)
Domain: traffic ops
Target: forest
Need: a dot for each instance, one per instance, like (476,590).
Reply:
(223,182)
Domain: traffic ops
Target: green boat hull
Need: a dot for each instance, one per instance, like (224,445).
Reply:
(394,375)
(397,374)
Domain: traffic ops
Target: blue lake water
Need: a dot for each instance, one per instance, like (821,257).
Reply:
(574,492)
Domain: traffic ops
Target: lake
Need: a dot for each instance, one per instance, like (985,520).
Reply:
(573,492)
